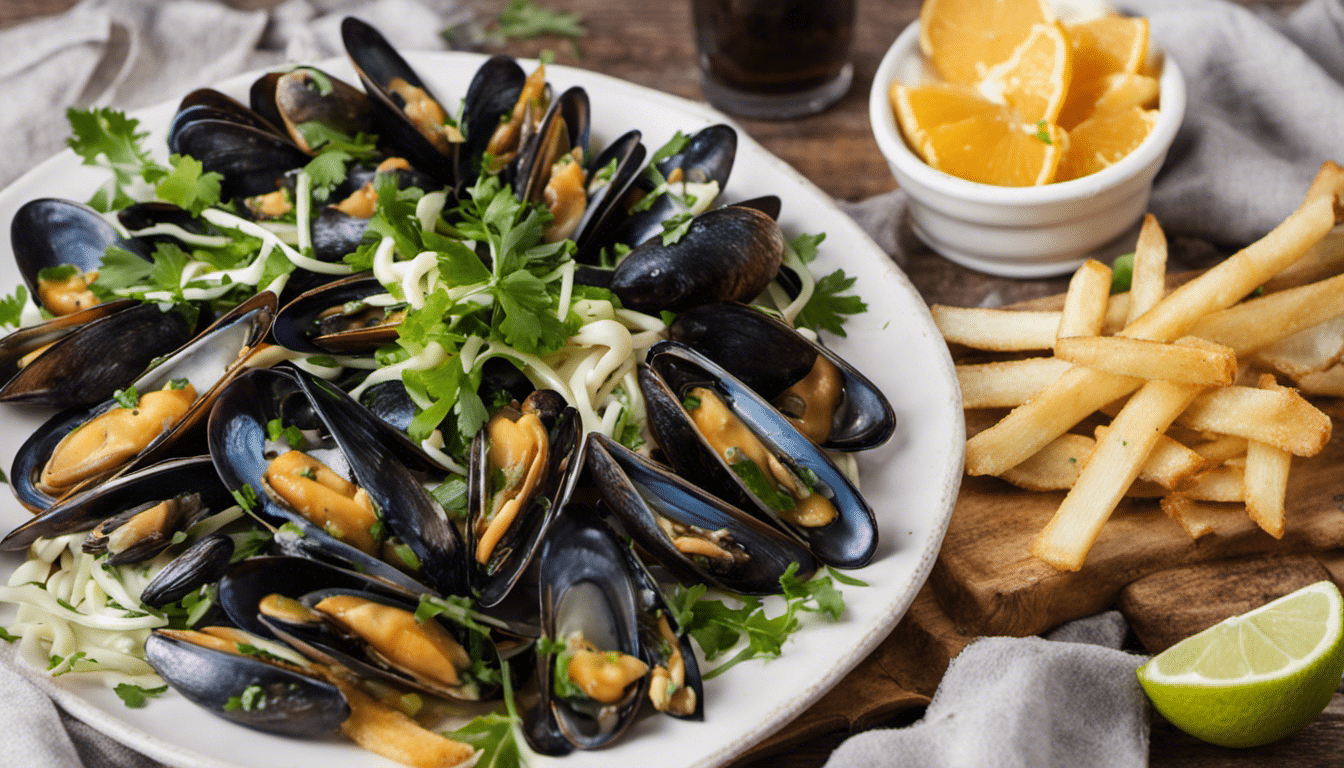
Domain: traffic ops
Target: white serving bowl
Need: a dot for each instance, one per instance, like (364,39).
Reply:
(1021,231)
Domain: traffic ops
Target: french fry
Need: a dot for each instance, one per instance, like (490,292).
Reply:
(1007,384)
(1055,467)
(1080,391)
(1205,365)
(1222,483)
(1169,464)
(1148,284)
(1263,320)
(1267,479)
(1085,303)
(1201,518)
(998,330)
(1280,417)
(1114,465)
(1221,449)
(1308,351)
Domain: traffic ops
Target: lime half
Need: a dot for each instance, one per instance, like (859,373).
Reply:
(1257,677)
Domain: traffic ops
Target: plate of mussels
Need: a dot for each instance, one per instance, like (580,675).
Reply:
(440,408)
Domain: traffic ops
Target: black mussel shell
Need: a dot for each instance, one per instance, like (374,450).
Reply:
(50,232)
(639,491)
(290,99)
(209,104)
(622,160)
(727,254)
(122,337)
(299,327)
(589,587)
(202,563)
(378,63)
(208,362)
(243,586)
(849,541)
(85,509)
(564,127)
(493,91)
(515,550)
(295,704)
(707,156)
(769,356)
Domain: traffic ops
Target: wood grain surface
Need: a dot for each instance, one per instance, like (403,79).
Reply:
(651,44)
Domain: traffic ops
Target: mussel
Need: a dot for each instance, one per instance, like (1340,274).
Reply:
(718,433)
(822,394)
(59,246)
(308,95)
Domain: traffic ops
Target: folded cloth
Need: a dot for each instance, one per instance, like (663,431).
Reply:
(1069,702)
(1265,102)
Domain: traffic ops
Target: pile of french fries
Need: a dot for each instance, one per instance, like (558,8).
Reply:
(1188,379)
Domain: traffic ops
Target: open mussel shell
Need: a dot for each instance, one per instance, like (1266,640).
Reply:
(251,161)
(389,400)
(202,563)
(209,104)
(50,232)
(650,500)
(564,127)
(770,357)
(84,510)
(378,64)
(89,355)
(493,91)
(610,177)
(514,550)
(295,704)
(238,440)
(333,319)
(587,587)
(706,157)
(305,95)
(727,254)
(208,362)
(363,650)
(673,370)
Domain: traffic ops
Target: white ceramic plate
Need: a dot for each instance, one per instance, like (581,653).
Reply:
(911,482)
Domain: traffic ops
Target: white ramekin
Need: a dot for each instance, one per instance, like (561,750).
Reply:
(1021,231)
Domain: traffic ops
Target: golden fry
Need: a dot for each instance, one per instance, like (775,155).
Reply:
(1055,467)
(998,330)
(1148,284)
(1203,365)
(1007,384)
(1280,417)
(1085,303)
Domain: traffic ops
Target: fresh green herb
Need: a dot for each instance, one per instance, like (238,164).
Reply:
(378,530)
(324,361)
(246,497)
(189,185)
(1073,460)
(178,383)
(252,699)
(407,556)
(252,542)
(190,610)
(546,645)
(248,649)
(526,18)
(690,402)
(760,486)
(456,608)
(308,472)
(6,636)
(57,274)
(653,176)
(62,665)
(846,580)
(826,309)
(561,684)
(676,227)
(135,697)
(718,627)
(1043,132)
(1122,273)
(127,398)
(327,171)
(179,537)
(805,246)
(120,270)
(276,429)
(109,139)
(320,79)
(11,307)
(323,138)
(452,496)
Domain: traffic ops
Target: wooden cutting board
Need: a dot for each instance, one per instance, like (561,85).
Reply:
(989,584)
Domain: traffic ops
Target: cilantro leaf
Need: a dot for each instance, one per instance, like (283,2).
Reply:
(189,186)
(526,18)
(806,246)
(327,171)
(495,737)
(11,306)
(675,227)
(1122,273)
(108,138)
(120,269)
(127,398)
(135,697)
(826,309)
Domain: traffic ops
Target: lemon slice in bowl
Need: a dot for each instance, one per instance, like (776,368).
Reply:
(1254,678)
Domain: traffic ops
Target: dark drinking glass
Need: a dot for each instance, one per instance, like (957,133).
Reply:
(774,58)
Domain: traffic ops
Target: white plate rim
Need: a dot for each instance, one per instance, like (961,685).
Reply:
(944,478)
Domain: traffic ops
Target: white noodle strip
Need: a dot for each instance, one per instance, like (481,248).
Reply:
(544,376)
(790,311)
(582,401)
(383,257)
(615,338)
(214,522)
(287,233)
(566,290)
(614,381)
(433,445)
(610,416)
(47,602)
(470,349)
(188,238)
(847,464)
(646,339)
(303,206)
(633,319)
(30,315)
(428,208)
(432,356)
(594,309)
(229,221)
(423,265)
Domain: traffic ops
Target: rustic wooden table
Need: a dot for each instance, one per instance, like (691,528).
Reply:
(651,44)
